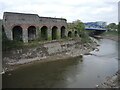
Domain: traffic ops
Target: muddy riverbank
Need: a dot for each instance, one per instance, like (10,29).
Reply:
(114,80)
(46,52)
(111,81)
(110,36)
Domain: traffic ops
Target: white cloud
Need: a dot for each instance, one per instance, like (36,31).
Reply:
(85,10)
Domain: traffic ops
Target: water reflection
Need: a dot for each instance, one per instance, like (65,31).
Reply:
(41,75)
(71,73)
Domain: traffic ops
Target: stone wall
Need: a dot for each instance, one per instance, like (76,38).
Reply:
(46,52)
(10,20)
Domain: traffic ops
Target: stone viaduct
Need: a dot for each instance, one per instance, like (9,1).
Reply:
(27,27)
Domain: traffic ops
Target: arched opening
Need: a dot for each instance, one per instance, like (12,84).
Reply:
(31,33)
(70,34)
(62,32)
(17,33)
(54,33)
(3,30)
(44,33)
(75,33)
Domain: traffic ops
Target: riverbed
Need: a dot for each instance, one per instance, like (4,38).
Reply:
(79,72)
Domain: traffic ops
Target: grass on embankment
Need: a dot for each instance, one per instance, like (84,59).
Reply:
(112,32)
(8,44)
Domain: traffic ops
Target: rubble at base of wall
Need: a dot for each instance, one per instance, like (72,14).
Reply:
(47,52)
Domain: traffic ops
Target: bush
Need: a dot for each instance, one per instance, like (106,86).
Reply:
(8,44)
(84,37)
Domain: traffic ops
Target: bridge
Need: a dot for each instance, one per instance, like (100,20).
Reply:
(94,28)
(98,29)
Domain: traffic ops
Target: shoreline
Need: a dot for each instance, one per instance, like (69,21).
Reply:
(74,53)
(110,36)
(111,81)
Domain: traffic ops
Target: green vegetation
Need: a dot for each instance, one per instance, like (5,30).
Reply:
(112,32)
(112,29)
(58,34)
(75,26)
(112,26)
(80,28)
(8,44)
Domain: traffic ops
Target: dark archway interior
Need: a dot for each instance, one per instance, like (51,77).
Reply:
(54,33)
(75,33)
(44,33)
(62,32)
(31,33)
(17,33)
(3,30)
(70,34)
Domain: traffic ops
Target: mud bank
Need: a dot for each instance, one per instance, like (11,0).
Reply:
(46,52)
(111,82)
(110,36)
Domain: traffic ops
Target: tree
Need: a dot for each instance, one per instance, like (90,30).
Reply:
(78,26)
(112,26)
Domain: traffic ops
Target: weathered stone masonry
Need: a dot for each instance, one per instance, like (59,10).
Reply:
(28,27)
(47,52)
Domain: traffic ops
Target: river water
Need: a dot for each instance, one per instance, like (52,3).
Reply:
(83,72)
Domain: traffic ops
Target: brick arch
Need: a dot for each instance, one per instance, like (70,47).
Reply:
(31,32)
(44,25)
(31,25)
(63,26)
(17,32)
(75,33)
(54,26)
(62,31)
(70,34)
(44,32)
(54,32)
(17,25)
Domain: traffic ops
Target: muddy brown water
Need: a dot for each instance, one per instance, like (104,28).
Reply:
(84,72)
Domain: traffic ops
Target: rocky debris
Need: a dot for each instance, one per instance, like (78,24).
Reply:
(94,40)
(67,49)
(111,82)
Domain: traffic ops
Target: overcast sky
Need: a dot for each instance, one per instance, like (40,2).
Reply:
(84,10)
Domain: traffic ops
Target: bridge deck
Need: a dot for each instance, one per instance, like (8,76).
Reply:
(99,29)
